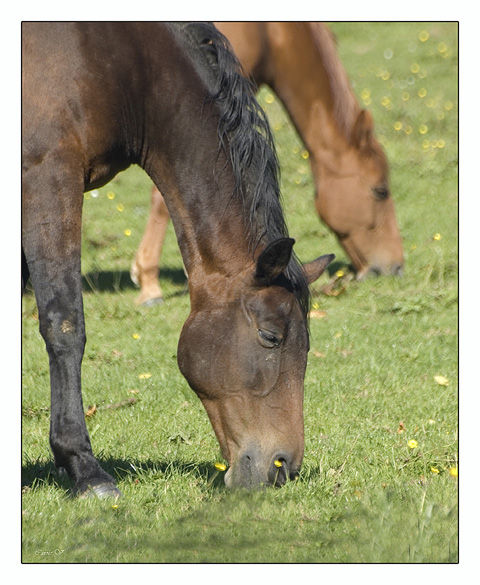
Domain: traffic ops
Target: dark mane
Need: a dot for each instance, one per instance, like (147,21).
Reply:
(244,127)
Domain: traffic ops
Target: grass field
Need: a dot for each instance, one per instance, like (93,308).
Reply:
(379,480)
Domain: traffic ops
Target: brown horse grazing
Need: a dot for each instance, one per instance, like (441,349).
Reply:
(98,97)
(298,60)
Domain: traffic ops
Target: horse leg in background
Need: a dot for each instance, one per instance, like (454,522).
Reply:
(145,267)
(51,221)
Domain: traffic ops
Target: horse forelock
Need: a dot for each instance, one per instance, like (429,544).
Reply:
(245,131)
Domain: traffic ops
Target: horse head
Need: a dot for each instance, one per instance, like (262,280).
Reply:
(243,350)
(355,201)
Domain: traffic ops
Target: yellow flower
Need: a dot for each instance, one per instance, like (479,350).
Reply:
(339,273)
(453,471)
(136,335)
(422,92)
(434,470)
(111,195)
(423,36)
(277,463)
(114,506)
(315,305)
(305,154)
(437,237)
(423,129)
(220,466)
(127,232)
(442,47)
(397,125)
(120,207)
(441,380)
(144,376)
(412,444)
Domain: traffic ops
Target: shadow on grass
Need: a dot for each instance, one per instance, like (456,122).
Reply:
(37,473)
(116,281)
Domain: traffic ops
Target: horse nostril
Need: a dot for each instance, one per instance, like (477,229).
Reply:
(279,473)
(397,269)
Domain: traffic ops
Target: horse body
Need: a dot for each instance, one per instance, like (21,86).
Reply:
(98,97)
(298,61)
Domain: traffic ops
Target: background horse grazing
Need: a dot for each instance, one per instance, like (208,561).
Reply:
(98,97)
(298,60)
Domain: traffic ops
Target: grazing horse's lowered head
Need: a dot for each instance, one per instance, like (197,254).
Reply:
(243,349)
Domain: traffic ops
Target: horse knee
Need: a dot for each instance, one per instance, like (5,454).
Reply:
(63,332)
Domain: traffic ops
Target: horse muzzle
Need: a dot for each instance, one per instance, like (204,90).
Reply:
(395,269)
(251,470)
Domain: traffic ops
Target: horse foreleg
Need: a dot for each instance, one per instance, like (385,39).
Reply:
(51,244)
(145,267)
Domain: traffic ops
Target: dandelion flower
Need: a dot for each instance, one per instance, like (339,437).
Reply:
(441,380)
(277,463)
(412,444)
(453,471)
(397,125)
(437,237)
(434,470)
(120,207)
(127,232)
(114,506)
(339,273)
(136,335)
(220,466)
(442,47)
(423,129)
(111,195)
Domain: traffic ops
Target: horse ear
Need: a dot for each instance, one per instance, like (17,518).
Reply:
(274,259)
(316,268)
(362,130)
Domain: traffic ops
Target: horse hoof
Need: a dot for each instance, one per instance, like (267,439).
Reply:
(152,302)
(102,491)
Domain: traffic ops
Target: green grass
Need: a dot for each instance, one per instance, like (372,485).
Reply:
(363,495)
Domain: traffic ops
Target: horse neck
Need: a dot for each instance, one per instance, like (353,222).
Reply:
(198,185)
(305,72)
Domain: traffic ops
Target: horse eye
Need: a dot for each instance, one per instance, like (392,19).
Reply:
(380,193)
(268,339)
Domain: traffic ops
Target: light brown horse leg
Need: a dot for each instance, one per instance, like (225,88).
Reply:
(145,267)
